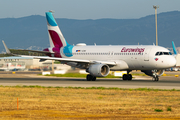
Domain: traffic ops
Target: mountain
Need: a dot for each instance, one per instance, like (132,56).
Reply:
(31,31)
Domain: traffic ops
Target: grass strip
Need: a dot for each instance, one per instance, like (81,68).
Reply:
(38,102)
(100,88)
(79,75)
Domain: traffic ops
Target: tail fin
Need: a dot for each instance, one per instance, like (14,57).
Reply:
(174,48)
(56,37)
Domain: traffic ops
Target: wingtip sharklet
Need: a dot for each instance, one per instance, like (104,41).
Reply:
(174,48)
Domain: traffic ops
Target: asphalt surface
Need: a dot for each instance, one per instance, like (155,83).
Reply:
(165,82)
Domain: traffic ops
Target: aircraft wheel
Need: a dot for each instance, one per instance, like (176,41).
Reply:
(94,78)
(125,77)
(89,77)
(129,77)
(155,78)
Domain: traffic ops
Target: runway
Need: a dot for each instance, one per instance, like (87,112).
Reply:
(166,82)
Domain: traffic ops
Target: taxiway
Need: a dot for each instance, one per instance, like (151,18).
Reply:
(166,82)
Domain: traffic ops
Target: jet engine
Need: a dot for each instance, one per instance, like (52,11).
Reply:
(153,72)
(98,70)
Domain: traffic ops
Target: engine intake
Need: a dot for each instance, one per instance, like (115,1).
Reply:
(98,70)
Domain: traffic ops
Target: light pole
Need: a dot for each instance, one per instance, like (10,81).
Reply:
(156,7)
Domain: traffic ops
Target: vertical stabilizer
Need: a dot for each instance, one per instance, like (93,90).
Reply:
(174,48)
(56,37)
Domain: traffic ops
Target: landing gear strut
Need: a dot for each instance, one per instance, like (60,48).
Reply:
(127,76)
(90,78)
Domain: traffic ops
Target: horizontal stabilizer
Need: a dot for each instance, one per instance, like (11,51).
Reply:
(7,49)
(45,52)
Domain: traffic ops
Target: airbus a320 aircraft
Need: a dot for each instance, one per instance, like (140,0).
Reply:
(99,60)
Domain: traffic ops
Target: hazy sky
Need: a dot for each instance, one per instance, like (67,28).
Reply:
(86,9)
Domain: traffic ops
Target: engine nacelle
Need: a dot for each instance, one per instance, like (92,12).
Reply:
(98,70)
(153,72)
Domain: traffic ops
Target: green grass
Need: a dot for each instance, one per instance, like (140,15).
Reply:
(169,108)
(138,74)
(100,88)
(57,62)
(158,110)
(68,75)
(79,75)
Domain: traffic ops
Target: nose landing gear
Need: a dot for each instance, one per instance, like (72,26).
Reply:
(155,78)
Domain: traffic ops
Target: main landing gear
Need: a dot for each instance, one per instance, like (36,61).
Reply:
(127,76)
(90,78)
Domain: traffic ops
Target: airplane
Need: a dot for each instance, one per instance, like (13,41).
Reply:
(99,60)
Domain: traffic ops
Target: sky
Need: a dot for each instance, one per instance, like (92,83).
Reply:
(86,9)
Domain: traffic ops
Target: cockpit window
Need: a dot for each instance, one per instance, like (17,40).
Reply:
(163,53)
(166,53)
(157,53)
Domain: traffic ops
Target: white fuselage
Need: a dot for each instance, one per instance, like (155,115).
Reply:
(137,57)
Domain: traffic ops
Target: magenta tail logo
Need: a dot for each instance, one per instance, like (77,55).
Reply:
(55,39)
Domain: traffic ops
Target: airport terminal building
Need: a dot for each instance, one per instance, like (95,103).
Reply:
(22,63)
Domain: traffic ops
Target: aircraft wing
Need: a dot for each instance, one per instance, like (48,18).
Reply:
(75,60)
(65,60)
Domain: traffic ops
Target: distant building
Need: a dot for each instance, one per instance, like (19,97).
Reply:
(10,63)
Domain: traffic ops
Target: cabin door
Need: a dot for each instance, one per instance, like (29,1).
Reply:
(146,54)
